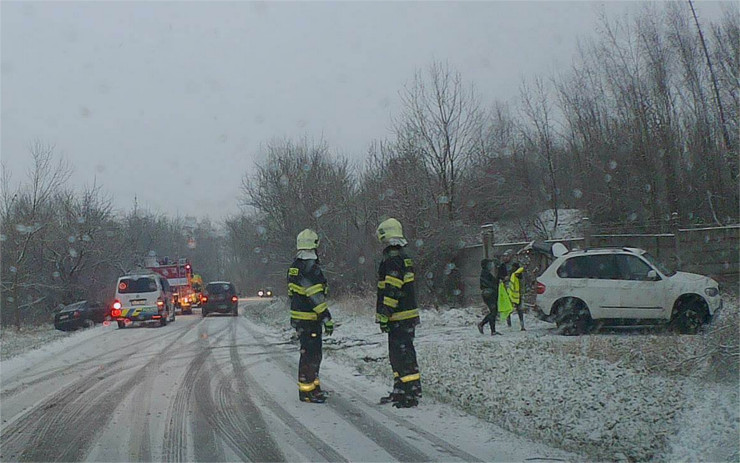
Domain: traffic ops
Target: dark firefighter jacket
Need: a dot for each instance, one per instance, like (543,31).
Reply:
(488,284)
(307,291)
(396,292)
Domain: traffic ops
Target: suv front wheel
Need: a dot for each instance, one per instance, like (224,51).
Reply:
(573,317)
(690,315)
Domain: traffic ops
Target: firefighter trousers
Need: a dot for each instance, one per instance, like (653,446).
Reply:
(402,355)
(309,335)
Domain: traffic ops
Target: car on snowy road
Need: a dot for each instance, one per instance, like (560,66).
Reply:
(141,298)
(585,289)
(221,297)
(264,292)
(82,314)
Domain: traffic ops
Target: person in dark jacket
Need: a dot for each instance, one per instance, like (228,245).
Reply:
(398,315)
(489,293)
(309,310)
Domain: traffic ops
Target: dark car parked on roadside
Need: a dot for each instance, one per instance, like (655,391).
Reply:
(83,314)
(221,297)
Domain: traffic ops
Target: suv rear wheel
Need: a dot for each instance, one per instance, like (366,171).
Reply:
(573,317)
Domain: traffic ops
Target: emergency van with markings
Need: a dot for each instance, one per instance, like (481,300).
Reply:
(142,297)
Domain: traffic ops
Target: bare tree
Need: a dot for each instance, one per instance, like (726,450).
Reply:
(538,110)
(442,120)
(31,213)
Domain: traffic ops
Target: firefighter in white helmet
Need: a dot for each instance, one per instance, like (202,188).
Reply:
(307,290)
(397,314)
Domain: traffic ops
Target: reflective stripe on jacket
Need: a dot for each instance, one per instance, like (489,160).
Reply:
(307,291)
(396,286)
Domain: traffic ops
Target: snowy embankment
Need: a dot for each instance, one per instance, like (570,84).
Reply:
(616,395)
(13,342)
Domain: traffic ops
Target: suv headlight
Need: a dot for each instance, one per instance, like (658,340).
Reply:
(711,292)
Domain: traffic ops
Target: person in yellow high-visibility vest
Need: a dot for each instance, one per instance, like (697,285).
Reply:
(514,289)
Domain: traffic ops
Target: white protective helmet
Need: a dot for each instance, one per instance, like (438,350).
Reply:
(389,229)
(307,239)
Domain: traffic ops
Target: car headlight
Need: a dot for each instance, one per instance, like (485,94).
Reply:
(711,292)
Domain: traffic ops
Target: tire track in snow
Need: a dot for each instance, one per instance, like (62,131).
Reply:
(244,378)
(237,418)
(62,430)
(175,434)
(72,368)
(377,431)
(205,446)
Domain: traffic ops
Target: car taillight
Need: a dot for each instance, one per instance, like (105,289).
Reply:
(117,305)
(204,299)
(540,288)
(115,313)
(160,303)
(234,298)
(76,314)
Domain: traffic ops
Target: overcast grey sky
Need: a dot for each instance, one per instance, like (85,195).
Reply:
(172,101)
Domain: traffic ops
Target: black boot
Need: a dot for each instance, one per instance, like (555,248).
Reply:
(393,397)
(480,327)
(313,397)
(407,401)
(416,390)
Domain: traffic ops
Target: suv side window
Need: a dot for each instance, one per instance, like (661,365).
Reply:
(598,267)
(575,267)
(632,268)
(603,267)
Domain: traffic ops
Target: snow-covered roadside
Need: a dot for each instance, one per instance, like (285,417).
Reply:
(591,395)
(13,342)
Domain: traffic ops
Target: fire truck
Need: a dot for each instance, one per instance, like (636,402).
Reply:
(179,274)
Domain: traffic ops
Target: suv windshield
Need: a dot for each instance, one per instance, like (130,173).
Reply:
(662,267)
(137,285)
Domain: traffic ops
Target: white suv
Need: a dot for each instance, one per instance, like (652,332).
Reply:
(609,286)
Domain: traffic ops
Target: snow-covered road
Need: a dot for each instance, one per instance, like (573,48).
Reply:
(220,389)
